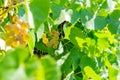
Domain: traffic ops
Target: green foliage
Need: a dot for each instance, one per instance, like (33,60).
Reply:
(63,40)
(39,11)
(18,65)
(91,74)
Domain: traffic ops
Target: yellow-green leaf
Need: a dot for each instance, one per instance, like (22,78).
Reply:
(91,73)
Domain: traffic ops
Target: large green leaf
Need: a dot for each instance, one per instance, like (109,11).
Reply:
(75,55)
(86,61)
(40,10)
(41,46)
(72,61)
(112,72)
(61,14)
(14,74)
(66,66)
(1,2)
(100,22)
(51,69)
(114,22)
(12,67)
(31,42)
(72,33)
(102,43)
(86,15)
(56,9)
(40,32)
(91,74)
(93,21)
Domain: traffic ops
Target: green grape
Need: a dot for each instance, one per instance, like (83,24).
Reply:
(56,42)
(55,38)
(55,46)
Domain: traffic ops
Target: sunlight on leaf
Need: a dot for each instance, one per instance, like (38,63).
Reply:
(91,74)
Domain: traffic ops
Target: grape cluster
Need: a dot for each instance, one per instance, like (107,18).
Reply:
(16,33)
(52,40)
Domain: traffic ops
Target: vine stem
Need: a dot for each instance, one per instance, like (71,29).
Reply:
(77,73)
(11,6)
(2,29)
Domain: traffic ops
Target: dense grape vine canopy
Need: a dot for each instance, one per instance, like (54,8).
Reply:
(59,39)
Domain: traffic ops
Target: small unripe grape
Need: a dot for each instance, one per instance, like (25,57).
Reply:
(54,46)
(55,42)
(53,32)
(52,41)
(55,38)
(57,33)
(50,34)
